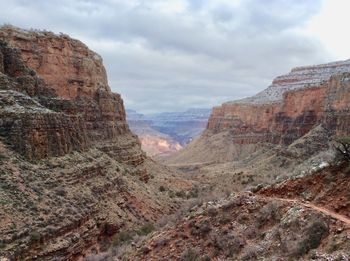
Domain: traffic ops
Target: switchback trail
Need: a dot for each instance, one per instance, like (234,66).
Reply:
(323,210)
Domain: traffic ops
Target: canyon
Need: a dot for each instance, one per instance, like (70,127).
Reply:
(287,110)
(284,191)
(162,134)
(77,183)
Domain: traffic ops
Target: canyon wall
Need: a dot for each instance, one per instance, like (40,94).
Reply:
(69,79)
(288,109)
(72,175)
(308,96)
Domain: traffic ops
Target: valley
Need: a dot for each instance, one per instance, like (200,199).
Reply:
(81,178)
(164,133)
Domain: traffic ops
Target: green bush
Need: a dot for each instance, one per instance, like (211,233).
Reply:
(190,255)
(312,237)
(145,229)
(122,237)
(35,236)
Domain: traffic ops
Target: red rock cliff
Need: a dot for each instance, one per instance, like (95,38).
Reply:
(70,81)
(71,173)
(290,107)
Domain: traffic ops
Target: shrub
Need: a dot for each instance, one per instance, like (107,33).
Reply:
(205,258)
(98,257)
(312,237)
(162,189)
(61,192)
(342,148)
(212,212)
(201,229)
(35,236)
(250,253)
(145,229)
(122,237)
(268,213)
(225,219)
(180,194)
(235,246)
(190,255)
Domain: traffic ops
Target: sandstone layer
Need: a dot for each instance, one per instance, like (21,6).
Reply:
(71,173)
(288,109)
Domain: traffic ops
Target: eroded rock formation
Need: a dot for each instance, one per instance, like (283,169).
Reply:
(71,172)
(288,109)
(69,80)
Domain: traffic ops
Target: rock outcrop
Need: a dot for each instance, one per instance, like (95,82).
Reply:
(72,174)
(69,80)
(288,109)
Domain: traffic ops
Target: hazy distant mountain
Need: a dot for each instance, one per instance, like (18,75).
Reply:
(168,131)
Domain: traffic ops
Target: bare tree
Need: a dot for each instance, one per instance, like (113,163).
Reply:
(342,147)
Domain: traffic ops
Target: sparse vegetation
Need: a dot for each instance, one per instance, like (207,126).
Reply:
(145,229)
(122,237)
(342,148)
(35,236)
(269,213)
(190,255)
(311,237)
(201,229)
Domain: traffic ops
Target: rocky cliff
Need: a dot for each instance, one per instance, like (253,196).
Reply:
(288,109)
(73,82)
(71,173)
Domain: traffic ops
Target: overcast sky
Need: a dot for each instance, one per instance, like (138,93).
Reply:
(169,55)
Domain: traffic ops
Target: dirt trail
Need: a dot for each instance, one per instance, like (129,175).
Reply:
(325,211)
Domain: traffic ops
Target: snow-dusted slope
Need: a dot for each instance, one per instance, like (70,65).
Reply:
(299,78)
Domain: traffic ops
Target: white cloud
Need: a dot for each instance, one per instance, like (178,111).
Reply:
(171,55)
(331,27)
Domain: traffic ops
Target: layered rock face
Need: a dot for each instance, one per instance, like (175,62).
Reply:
(71,172)
(68,78)
(290,107)
(287,110)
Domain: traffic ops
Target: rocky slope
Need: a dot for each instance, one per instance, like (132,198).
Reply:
(303,218)
(292,106)
(251,227)
(72,174)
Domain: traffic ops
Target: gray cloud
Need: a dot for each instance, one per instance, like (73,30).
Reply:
(165,56)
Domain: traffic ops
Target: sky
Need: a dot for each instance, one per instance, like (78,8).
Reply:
(170,55)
